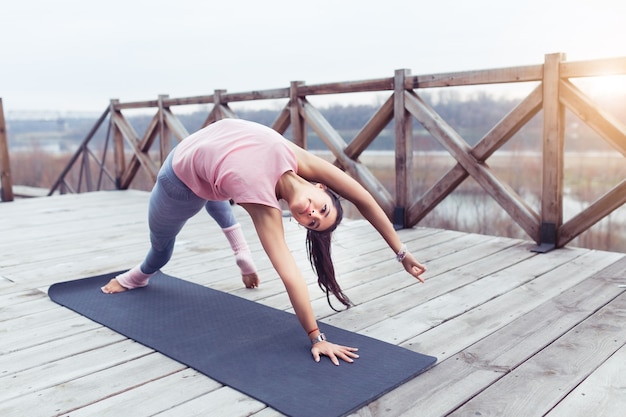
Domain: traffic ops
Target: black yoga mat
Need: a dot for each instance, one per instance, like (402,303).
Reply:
(260,351)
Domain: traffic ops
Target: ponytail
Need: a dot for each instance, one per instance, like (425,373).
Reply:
(318,247)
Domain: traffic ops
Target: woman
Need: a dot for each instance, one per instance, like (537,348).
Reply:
(256,167)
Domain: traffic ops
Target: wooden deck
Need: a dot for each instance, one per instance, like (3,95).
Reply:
(516,333)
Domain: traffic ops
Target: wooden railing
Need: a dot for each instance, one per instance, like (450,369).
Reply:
(554,94)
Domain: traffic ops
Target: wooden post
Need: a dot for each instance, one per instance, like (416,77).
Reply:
(298,125)
(553,158)
(118,147)
(87,171)
(5,164)
(404,149)
(219,103)
(165,137)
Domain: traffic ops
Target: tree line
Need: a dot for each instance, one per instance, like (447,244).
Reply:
(471,116)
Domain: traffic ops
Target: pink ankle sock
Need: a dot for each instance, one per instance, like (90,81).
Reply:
(238,243)
(133,278)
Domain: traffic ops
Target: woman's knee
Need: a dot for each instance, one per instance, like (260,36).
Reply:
(222,213)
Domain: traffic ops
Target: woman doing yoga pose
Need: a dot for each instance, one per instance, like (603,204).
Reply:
(256,167)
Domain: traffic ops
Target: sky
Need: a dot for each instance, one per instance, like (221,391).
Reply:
(77,55)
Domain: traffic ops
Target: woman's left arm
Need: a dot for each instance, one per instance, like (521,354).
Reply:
(316,169)
(269,226)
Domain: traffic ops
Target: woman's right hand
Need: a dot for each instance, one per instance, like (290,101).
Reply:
(250,280)
(334,352)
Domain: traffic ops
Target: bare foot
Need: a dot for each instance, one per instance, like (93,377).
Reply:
(250,280)
(133,278)
(113,287)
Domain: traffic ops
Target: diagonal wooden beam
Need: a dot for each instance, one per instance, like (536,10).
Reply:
(81,148)
(371,130)
(492,141)
(503,194)
(609,128)
(336,144)
(281,123)
(509,125)
(213,116)
(599,209)
(227,112)
(175,125)
(140,148)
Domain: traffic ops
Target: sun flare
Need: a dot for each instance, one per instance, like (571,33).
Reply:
(604,85)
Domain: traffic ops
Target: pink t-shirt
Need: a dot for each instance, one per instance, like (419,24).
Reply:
(234,159)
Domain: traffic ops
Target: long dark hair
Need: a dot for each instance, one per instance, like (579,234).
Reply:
(318,246)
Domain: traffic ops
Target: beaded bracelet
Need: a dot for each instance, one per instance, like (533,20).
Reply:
(402,254)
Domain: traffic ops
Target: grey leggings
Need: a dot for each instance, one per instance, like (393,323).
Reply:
(172,203)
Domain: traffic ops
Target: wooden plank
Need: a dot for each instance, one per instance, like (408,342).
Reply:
(270,412)
(345,87)
(378,311)
(397,291)
(224,401)
(31,380)
(153,397)
(373,281)
(596,67)
(541,382)
(8,286)
(115,376)
(58,349)
(26,331)
(474,299)
(459,377)
(601,392)
(20,296)
(270,94)
(26,308)
(489,76)
(525,292)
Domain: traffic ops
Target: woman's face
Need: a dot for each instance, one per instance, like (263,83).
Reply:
(313,207)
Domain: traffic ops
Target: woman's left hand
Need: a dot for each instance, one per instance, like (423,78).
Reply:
(334,352)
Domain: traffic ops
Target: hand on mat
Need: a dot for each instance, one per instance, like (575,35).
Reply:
(250,280)
(333,351)
(413,267)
